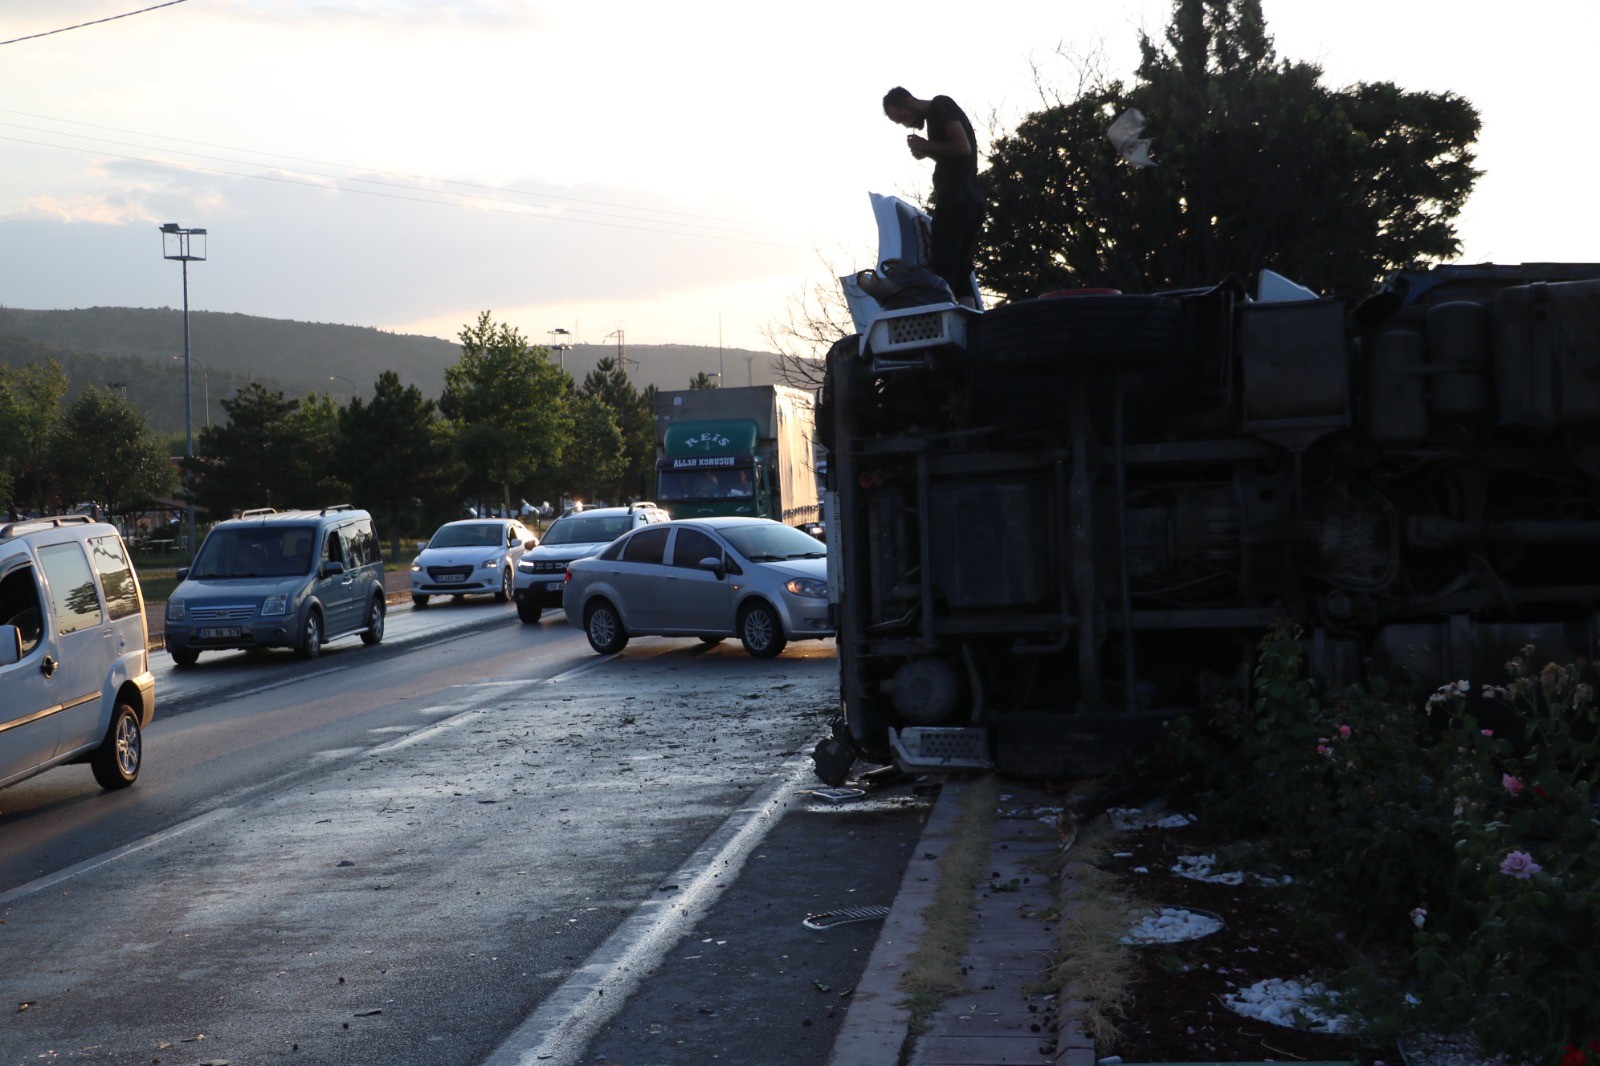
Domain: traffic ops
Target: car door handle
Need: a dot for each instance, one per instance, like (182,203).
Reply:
(48,667)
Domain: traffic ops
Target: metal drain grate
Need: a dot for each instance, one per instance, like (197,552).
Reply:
(829,919)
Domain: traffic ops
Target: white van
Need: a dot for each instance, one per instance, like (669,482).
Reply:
(75,682)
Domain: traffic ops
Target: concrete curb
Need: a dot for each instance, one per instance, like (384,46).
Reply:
(876,1028)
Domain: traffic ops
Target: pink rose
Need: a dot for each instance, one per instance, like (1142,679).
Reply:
(1511,784)
(1519,864)
(1344,731)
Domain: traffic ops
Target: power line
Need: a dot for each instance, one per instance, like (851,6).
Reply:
(96,22)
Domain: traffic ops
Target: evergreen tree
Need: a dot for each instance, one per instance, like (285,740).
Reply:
(30,405)
(505,400)
(635,417)
(1258,165)
(248,461)
(398,457)
(103,450)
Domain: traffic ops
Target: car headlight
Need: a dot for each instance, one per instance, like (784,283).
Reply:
(416,568)
(808,587)
(174,610)
(525,565)
(277,603)
(490,564)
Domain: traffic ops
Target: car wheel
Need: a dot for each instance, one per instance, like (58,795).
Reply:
(505,587)
(183,657)
(116,761)
(712,642)
(761,631)
(310,637)
(375,613)
(419,602)
(528,608)
(604,628)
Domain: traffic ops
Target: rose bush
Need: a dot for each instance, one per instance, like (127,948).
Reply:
(1469,853)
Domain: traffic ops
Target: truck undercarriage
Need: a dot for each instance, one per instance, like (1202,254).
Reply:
(1060,523)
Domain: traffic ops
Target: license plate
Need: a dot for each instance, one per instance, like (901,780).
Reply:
(447,578)
(554,586)
(221,633)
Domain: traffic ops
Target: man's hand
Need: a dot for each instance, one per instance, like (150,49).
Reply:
(918,145)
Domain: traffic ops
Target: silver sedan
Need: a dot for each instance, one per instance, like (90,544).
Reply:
(712,578)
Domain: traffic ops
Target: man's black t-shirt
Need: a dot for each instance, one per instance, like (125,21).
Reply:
(955,181)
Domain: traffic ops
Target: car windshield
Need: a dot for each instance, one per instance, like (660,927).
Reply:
(765,542)
(587,529)
(469,535)
(278,551)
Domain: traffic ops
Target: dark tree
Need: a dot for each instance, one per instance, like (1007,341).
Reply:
(247,461)
(595,459)
(505,400)
(635,417)
(104,450)
(30,406)
(702,380)
(398,456)
(1258,165)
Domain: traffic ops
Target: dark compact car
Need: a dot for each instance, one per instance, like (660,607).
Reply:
(711,578)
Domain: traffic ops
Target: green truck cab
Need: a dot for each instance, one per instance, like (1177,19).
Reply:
(741,451)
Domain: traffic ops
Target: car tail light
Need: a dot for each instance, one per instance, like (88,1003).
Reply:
(568,575)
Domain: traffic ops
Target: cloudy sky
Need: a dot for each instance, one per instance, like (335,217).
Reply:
(675,171)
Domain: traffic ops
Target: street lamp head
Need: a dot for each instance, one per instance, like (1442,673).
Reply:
(170,227)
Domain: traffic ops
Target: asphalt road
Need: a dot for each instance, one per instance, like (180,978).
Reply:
(418,852)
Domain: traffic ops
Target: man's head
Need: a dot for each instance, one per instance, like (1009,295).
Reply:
(901,107)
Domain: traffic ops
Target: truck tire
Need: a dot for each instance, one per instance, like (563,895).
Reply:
(1061,744)
(1061,333)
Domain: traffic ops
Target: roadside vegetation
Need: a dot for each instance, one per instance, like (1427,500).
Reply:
(1452,836)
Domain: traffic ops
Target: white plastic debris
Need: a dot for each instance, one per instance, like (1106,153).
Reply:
(1124,137)
(1200,868)
(1166,925)
(1131,818)
(1286,1003)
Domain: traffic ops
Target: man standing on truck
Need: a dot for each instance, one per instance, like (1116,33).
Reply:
(957,195)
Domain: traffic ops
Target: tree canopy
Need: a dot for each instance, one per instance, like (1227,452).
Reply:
(504,398)
(103,450)
(1258,165)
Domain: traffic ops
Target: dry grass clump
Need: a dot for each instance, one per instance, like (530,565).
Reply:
(934,971)
(1092,963)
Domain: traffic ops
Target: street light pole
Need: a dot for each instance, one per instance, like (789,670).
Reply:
(353,390)
(563,348)
(205,381)
(178,243)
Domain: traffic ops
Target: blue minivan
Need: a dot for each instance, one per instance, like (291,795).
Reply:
(279,579)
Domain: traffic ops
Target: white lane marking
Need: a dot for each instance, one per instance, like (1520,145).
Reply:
(38,885)
(556,1033)
(319,675)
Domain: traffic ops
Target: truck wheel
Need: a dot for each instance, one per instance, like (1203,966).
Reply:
(116,761)
(603,626)
(1062,744)
(1060,333)
(761,630)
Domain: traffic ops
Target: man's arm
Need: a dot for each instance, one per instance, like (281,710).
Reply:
(956,147)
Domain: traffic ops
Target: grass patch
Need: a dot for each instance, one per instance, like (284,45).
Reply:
(1091,962)
(934,971)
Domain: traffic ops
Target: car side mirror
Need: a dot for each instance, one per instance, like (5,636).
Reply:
(529,545)
(422,545)
(10,645)
(332,567)
(713,564)
(183,572)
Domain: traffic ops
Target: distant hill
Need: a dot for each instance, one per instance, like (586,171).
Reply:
(140,350)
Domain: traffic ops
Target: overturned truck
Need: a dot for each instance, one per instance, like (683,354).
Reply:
(1060,522)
